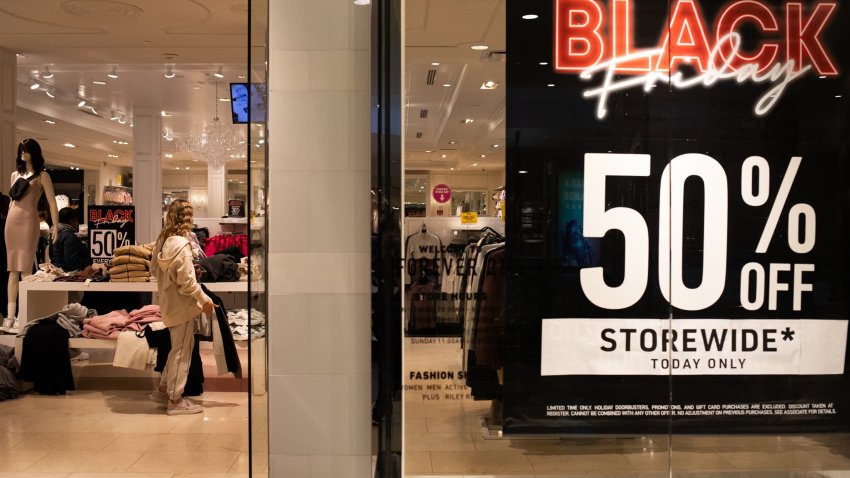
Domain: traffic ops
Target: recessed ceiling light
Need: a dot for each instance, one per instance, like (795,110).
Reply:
(497,145)
(113,73)
(489,85)
(241,77)
(169,72)
(551,85)
(122,119)
(530,16)
(474,164)
(522,172)
(480,47)
(50,92)
(196,87)
(261,141)
(427,150)
(446,85)
(434,63)
(444,156)
(49,121)
(46,73)
(165,114)
(69,145)
(224,99)
(362,2)
(177,168)
(838,96)
(468,120)
(822,77)
(451,169)
(98,82)
(81,103)
(483,155)
(35,85)
(111,155)
(219,73)
(452,142)
(113,115)
(168,155)
(187,168)
(543,63)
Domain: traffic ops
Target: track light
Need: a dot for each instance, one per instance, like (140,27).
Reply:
(46,73)
(122,119)
(35,85)
(169,72)
(93,110)
(81,103)
(114,73)
(50,92)
(219,73)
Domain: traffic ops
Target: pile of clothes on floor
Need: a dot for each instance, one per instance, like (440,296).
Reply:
(9,386)
(247,325)
(131,264)
(109,326)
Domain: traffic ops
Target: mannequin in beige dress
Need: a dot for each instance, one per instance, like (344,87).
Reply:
(22,223)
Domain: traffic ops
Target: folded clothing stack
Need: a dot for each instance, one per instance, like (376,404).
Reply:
(245,325)
(110,326)
(131,264)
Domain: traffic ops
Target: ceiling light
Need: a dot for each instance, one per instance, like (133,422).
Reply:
(483,155)
(93,110)
(543,63)
(219,73)
(468,120)
(446,85)
(119,142)
(427,150)
(169,155)
(452,142)
(98,82)
(113,115)
(822,77)
(196,87)
(81,103)
(496,145)
(362,2)
(241,77)
(489,85)
(177,168)
(45,72)
(435,63)
(224,99)
(35,85)
(113,73)
(480,47)
(122,119)
(474,164)
(261,141)
(522,172)
(49,121)
(169,72)
(69,145)
(112,155)
(451,169)
(838,96)
(551,85)
(444,156)
(530,16)
(50,92)
(187,168)
(164,114)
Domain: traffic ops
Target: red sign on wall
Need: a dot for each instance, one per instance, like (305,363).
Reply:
(442,193)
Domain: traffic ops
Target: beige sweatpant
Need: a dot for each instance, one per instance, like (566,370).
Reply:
(177,367)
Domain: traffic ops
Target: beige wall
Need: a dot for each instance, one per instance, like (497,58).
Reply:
(318,219)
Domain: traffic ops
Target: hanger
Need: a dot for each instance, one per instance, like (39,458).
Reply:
(424,228)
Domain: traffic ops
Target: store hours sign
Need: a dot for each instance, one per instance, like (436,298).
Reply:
(110,227)
(680,182)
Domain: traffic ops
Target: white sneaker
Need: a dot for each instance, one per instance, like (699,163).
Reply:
(13,329)
(8,322)
(159,397)
(80,358)
(184,407)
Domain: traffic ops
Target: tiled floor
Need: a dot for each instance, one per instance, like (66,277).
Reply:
(122,434)
(443,436)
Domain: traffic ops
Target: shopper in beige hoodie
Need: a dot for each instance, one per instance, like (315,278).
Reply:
(181,300)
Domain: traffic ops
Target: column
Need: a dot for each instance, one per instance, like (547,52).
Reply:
(8,109)
(216,191)
(318,248)
(147,172)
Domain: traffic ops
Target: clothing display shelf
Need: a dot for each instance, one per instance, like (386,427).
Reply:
(39,299)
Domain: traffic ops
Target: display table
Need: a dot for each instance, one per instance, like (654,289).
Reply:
(40,299)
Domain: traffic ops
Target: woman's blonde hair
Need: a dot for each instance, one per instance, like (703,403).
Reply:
(178,221)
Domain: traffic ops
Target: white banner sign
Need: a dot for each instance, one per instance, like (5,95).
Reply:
(692,347)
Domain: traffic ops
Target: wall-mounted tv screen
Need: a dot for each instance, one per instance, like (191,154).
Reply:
(248,102)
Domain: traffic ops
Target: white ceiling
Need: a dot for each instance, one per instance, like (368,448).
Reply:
(82,40)
(442,31)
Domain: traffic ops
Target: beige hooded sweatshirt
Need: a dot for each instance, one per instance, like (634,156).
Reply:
(180,297)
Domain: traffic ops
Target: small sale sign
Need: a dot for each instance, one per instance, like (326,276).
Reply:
(442,193)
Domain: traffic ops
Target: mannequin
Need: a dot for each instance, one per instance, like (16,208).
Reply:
(22,222)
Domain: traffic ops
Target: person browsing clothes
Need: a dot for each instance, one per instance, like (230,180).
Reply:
(181,300)
(69,252)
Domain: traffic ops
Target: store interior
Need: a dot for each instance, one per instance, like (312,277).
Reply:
(78,71)
(455,136)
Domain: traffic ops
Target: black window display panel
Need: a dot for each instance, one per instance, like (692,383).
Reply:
(549,131)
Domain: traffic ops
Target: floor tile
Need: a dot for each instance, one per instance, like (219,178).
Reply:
(754,459)
(226,442)
(681,460)
(204,424)
(92,462)
(83,441)
(12,460)
(581,463)
(157,441)
(439,442)
(417,462)
(443,462)
(185,462)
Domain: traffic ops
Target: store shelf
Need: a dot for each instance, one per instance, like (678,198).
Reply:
(241,286)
